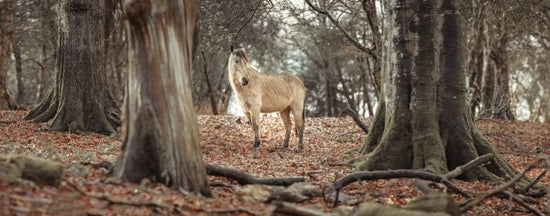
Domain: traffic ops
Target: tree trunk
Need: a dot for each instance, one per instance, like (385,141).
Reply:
(487,91)
(80,100)
(18,74)
(162,139)
(502,108)
(211,95)
(424,121)
(6,41)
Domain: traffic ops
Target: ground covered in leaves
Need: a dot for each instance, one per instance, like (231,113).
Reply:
(227,141)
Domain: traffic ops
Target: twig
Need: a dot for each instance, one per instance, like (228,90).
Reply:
(245,178)
(249,19)
(355,118)
(500,188)
(346,34)
(293,209)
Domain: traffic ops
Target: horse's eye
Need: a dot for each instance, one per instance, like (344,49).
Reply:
(237,61)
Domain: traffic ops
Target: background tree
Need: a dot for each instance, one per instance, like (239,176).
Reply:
(161,135)
(6,41)
(426,121)
(80,101)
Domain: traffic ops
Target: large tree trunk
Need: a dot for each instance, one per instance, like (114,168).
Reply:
(424,121)
(6,41)
(162,138)
(80,100)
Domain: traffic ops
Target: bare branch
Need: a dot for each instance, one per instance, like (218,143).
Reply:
(346,34)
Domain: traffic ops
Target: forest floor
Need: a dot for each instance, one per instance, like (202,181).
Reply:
(227,141)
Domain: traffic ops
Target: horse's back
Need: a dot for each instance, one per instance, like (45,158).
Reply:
(279,91)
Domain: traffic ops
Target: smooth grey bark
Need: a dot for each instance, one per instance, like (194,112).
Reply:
(424,120)
(161,134)
(80,100)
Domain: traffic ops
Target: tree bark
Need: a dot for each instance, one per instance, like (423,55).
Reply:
(502,108)
(80,100)
(18,73)
(162,139)
(211,95)
(425,122)
(6,41)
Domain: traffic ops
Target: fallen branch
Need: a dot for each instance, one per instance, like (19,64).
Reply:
(355,118)
(500,188)
(407,173)
(473,163)
(402,173)
(231,211)
(293,209)
(245,178)
(522,203)
(525,190)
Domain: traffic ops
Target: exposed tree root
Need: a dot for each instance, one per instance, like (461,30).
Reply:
(389,174)
(245,178)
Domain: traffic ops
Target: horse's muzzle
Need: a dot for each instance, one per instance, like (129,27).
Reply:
(244,81)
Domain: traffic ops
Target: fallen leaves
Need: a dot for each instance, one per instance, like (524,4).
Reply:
(227,141)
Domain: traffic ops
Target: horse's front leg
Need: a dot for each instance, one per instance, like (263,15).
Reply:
(255,120)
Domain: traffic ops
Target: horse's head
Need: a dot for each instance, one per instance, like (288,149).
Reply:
(237,65)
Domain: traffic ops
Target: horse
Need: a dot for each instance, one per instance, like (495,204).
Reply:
(262,93)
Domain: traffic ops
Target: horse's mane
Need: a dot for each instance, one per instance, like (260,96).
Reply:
(241,54)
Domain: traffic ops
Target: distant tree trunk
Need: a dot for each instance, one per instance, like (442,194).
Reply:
(476,65)
(80,100)
(374,22)
(502,108)
(487,91)
(426,123)
(6,41)
(213,103)
(347,92)
(162,138)
(18,74)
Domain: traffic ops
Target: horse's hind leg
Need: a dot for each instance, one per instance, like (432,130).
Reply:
(299,122)
(255,120)
(285,116)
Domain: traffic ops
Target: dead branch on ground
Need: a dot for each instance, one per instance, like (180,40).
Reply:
(293,209)
(406,173)
(245,178)
(501,189)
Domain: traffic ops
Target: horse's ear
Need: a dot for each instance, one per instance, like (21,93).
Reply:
(232,48)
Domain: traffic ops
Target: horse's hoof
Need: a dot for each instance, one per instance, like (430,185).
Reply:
(256,144)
